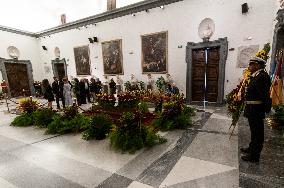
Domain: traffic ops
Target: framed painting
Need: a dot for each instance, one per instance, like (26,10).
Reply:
(112,57)
(82,60)
(155,53)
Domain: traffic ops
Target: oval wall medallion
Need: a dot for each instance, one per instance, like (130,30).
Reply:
(13,52)
(57,52)
(206,28)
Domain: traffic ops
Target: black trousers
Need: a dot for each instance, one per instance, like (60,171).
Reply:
(257,136)
(57,101)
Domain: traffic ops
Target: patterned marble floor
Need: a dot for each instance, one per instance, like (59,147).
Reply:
(201,156)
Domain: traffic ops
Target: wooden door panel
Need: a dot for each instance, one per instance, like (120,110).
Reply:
(60,70)
(212,72)
(18,79)
(198,72)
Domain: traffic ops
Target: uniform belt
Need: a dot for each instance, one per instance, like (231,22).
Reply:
(253,102)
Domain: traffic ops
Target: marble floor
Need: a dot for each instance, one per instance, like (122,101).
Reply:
(201,156)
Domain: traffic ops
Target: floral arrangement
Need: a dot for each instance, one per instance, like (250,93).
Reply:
(236,98)
(28,105)
(128,99)
(105,100)
(263,54)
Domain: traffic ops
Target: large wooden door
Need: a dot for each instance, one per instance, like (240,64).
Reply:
(198,75)
(205,66)
(18,79)
(59,67)
(212,74)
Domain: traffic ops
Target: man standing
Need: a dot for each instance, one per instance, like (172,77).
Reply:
(57,88)
(257,97)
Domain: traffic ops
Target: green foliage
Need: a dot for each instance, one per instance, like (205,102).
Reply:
(279,114)
(99,126)
(55,125)
(127,86)
(61,125)
(42,117)
(127,118)
(143,107)
(131,136)
(134,139)
(174,116)
(70,112)
(23,120)
(188,110)
(161,83)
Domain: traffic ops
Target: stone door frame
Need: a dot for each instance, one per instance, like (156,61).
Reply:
(56,61)
(222,43)
(16,61)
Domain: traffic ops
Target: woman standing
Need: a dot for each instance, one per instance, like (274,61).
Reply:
(47,92)
(67,92)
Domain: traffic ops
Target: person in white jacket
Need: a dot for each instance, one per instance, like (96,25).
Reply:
(67,92)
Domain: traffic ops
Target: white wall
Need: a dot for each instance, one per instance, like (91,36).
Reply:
(181,20)
(28,47)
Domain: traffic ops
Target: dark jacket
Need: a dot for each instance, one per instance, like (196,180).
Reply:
(48,93)
(57,88)
(257,90)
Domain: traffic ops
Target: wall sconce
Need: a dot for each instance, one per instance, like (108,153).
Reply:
(93,40)
(245,8)
(44,48)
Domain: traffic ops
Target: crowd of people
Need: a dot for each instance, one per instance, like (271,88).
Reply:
(83,91)
(65,91)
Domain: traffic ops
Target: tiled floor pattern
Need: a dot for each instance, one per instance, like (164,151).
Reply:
(202,156)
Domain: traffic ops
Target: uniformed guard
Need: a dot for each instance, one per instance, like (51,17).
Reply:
(257,103)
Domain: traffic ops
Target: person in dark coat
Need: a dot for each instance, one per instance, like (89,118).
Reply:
(98,88)
(47,92)
(257,99)
(57,88)
(76,91)
(112,87)
(82,90)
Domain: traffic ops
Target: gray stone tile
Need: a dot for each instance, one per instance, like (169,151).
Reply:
(200,121)
(8,144)
(219,125)
(26,175)
(158,171)
(116,181)
(225,179)
(148,156)
(250,180)
(70,169)
(215,147)
(97,153)
(26,135)
(269,172)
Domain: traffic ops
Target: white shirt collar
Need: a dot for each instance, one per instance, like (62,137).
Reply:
(256,73)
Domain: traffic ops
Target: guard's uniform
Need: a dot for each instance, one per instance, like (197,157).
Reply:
(257,94)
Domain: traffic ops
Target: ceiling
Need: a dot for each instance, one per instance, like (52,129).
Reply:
(38,15)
